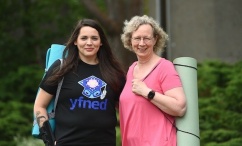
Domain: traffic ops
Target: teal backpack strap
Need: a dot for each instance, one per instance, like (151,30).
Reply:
(52,114)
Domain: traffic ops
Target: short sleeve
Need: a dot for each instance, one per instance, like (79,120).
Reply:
(50,88)
(169,76)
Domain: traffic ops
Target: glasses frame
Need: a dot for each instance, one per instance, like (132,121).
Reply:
(146,40)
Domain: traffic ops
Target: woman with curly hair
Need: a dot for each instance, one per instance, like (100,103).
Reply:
(153,94)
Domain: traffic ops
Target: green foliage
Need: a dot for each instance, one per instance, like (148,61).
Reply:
(220,103)
(118,136)
(21,85)
(212,75)
(15,120)
(233,89)
(30,27)
(30,141)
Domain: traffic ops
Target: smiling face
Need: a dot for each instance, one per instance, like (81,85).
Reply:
(143,41)
(88,43)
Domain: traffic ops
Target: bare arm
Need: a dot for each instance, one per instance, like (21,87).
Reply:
(173,102)
(42,101)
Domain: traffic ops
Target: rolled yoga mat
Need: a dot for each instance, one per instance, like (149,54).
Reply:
(53,53)
(188,125)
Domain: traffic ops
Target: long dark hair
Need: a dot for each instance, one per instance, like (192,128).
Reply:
(110,68)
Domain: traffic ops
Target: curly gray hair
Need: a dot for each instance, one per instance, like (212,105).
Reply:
(133,25)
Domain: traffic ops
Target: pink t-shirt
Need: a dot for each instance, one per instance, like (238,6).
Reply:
(141,122)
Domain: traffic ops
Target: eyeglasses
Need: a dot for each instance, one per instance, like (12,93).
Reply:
(145,39)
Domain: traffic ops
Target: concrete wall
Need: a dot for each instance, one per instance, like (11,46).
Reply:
(203,29)
(206,29)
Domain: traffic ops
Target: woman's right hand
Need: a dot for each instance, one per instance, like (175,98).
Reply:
(41,103)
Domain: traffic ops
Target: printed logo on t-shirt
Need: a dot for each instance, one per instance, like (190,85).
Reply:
(93,87)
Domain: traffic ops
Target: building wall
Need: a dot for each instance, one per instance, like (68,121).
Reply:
(204,29)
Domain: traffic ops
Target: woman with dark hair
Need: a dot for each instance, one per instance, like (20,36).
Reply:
(93,80)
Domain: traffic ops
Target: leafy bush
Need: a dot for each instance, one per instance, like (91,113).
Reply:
(17,93)
(21,85)
(220,102)
(15,120)
(30,141)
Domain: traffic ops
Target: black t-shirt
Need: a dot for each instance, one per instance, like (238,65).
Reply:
(83,116)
